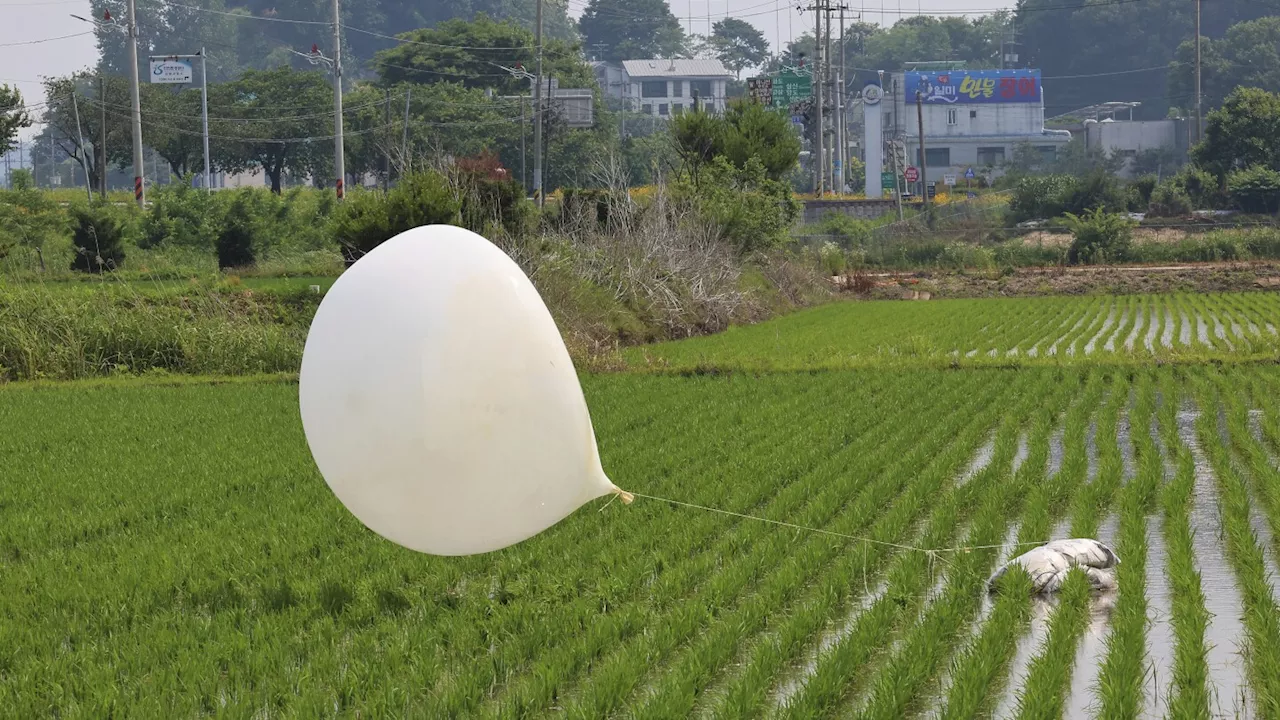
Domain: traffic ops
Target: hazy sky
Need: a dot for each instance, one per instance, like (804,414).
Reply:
(28,20)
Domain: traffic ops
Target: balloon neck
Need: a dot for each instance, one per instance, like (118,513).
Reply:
(626,497)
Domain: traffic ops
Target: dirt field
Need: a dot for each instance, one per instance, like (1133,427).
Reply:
(1029,282)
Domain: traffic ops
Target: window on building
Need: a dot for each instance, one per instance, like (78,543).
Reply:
(677,108)
(663,109)
(1048,153)
(677,88)
(973,114)
(648,108)
(700,88)
(653,88)
(937,157)
(990,155)
(953,116)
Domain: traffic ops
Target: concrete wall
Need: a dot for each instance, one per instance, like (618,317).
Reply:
(816,210)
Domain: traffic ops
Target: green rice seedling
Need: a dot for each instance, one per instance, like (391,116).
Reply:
(1189,694)
(1050,671)
(1122,680)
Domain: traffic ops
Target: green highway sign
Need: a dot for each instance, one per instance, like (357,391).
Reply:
(888,181)
(789,89)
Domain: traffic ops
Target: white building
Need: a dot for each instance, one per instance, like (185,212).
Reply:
(1127,138)
(665,87)
(972,118)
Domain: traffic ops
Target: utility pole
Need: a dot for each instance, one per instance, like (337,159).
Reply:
(53,168)
(842,164)
(139,194)
(102,135)
(204,116)
(537,111)
(1199,115)
(386,155)
(524,131)
(819,171)
(924,163)
(83,156)
(339,158)
(408,96)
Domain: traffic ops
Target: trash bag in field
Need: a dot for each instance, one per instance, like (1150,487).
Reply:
(1049,564)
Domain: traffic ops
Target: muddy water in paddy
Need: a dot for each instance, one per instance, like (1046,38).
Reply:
(1020,456)
(1102,331)
(981,460)
(1225,631)
(1056,450)
(1092,648)
(1140,316)
(1053,349)
(1220,332)
(1202,331)
(1166,338)
(1184,329)
(1110,345)
(1127,464)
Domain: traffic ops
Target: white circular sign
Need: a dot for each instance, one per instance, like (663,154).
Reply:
(872,94)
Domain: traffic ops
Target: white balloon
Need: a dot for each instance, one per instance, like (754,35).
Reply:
(440,402)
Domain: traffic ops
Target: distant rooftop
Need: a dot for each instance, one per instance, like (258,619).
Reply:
(666,67)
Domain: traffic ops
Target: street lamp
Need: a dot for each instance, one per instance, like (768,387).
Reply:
(135,94)
(315,57)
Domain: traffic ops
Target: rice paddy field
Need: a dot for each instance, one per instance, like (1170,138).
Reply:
(168,550)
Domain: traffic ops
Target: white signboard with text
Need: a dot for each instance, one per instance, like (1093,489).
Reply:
(171,72)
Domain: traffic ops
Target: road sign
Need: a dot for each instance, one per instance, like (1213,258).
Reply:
(760,89)
(949,179)
(789,89)
(912,174)
(970,174)
(171,72)
(888,181)
(931,189)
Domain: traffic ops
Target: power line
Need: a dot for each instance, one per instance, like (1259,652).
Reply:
(45,40)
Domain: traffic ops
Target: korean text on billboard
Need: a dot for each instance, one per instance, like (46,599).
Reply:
(975,86)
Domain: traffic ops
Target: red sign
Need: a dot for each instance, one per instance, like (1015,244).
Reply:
(912,174)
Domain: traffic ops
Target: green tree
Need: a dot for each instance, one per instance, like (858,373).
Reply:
(1243,133)
(97,97)
(1249,56)
(13,117)
(754,131)
(617,30)
(738,44)
(256,134)
(174,127)
(474,54)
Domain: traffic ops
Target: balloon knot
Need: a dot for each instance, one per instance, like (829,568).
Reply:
(626,497)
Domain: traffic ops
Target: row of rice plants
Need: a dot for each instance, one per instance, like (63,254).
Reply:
(1050,672)
(1021,340)
(979,667)
(1261,615)
(841,666)
(1189,691)
(900,685)
(796,493)
(835,504)
(1122,679)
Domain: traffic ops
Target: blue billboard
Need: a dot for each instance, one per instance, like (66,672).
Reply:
(974,86)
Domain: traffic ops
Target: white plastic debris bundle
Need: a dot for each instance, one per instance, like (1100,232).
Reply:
(1048,565)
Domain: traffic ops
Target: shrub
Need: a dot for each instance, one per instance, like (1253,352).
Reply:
(1140,192)
(1255,190)
(751,211)
(28,216)
(491,197)
(1200,187)
(1098,190)
(1040,197)
(98,237)
(851,231)
(238,236)
(369,218)
(1169,200)
(1099,237)
(832,259)
(959,255)
(180,215)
